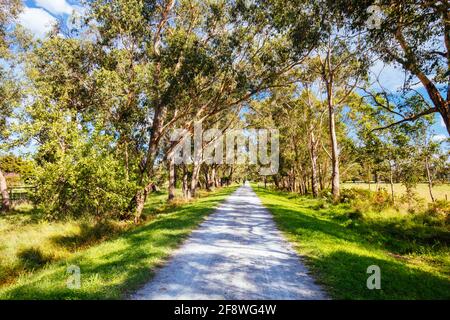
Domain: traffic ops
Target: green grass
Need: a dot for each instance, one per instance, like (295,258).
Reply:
(414,259)
(440,191)
(117,266)
(28,241)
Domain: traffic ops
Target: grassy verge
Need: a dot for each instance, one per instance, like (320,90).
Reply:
(414,259)
(440,191)
(118,266)
(28,241)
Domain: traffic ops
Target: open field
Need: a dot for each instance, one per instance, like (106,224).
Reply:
(35,254)
(440,191)
(414,258)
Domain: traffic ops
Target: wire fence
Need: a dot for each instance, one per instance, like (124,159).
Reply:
(21,194)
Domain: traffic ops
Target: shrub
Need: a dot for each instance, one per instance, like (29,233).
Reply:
(415,203)
(352,194)
(438,213)
(381,199)
(87,180)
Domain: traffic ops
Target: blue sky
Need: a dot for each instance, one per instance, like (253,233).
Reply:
(40,15)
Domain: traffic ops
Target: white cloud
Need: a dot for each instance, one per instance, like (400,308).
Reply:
(55,6)
(76,19)
(439,137)
(390,78)
(39,21)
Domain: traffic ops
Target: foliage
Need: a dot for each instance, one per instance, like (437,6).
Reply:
(439,212)
(14,164)
(83,181)
(413,35)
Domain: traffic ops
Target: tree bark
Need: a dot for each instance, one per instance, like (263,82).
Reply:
(172,177)
(213,178)
(127,165)
(411,64)
(185,185)
(6,203)
(313,155)
(321,177)
(139,201)
(430,181)
(207,180)
(335,180)
(391,181)
(194,179)
(147,169)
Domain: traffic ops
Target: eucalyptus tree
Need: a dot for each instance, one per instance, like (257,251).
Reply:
(413,34)
(78,170)
(198,59)
(341,62)
(299,116)
(9,91)
(341,69)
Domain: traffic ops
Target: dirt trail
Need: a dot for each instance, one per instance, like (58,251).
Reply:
(237,253)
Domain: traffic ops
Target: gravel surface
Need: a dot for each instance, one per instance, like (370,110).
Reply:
(237,253)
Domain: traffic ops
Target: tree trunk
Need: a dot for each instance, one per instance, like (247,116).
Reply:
(391,181)
(139,200)
(6,203)
(230,180)
(335,180)
(377,183)
(127,165)
(321,177)
(172,174)
(213,178)
(313,155)
(276,181)
(208,180)
(430,181)
(194,179)
(185,185)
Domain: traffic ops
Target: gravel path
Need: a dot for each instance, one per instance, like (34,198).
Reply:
(236,253)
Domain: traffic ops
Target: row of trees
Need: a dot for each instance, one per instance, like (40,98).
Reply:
(98,102)
(333,116)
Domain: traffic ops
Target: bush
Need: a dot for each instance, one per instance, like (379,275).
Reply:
(415,203)
(438,213)
(381,200)
(353,194)
(365,200)
(87,181)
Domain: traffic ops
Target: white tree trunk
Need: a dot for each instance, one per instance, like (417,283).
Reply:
(6,203)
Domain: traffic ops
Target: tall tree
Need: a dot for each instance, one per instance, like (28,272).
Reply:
(413,34)
(342,69)
(8,88)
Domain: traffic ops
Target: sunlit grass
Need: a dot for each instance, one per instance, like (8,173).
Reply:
(414,259)
(111,268)
(440,191)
